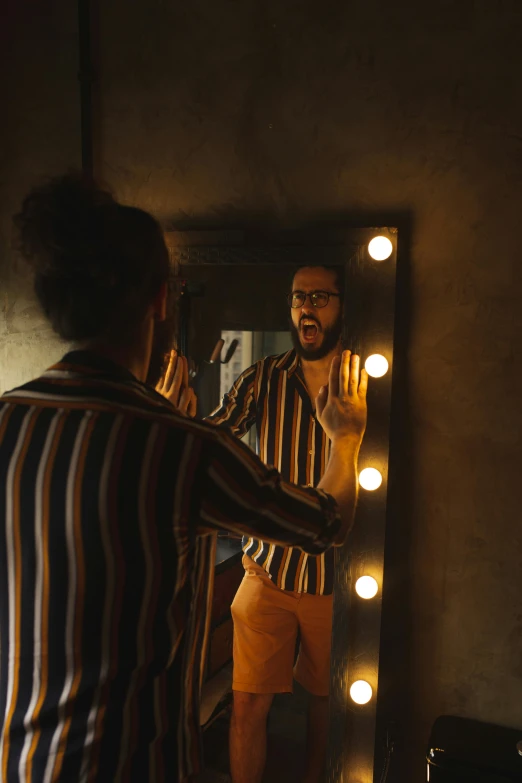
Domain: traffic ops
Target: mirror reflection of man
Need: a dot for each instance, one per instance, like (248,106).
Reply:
(285,591)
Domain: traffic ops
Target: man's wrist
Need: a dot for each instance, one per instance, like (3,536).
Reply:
(347,443)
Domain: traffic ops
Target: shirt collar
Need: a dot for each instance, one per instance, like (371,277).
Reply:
(93,364)
(289,362)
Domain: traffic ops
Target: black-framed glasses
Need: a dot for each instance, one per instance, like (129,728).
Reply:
(317,298)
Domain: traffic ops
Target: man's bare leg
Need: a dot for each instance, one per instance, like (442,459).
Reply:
(248,736)
(317,738)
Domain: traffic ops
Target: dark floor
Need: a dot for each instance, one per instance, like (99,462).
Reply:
(286,742)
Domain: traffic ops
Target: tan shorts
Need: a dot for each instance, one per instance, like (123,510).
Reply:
(266,623)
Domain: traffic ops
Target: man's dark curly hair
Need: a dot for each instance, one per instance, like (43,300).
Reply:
(336,269)
(97,264)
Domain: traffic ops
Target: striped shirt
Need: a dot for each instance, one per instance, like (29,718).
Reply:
(272,395)
(108,502)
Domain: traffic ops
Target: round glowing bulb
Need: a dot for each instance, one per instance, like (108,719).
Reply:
(361,692)
(380,248)
(370,479)
(376,365)
(366,587)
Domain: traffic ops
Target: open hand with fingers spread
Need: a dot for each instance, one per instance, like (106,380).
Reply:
(174,385)
(341,406)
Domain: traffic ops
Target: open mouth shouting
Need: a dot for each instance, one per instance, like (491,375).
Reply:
(309,329)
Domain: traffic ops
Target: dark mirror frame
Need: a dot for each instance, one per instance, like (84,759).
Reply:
(369,315)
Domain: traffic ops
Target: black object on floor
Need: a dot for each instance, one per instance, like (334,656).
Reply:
(462,750)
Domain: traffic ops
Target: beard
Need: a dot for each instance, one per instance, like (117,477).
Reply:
(331,337)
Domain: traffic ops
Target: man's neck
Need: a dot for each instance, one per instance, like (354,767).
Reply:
(132,354)
(319,370)
(316,374)
(126,359)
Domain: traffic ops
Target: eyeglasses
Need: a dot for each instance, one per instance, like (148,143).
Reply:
(317,298)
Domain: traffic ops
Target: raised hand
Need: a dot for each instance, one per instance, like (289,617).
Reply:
(174,385)
(341,406)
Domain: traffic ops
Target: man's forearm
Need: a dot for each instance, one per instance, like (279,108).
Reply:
(340,481)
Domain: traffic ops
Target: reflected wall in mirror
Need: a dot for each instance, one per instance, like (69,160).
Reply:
(234,289)
(231,302)
(242,349)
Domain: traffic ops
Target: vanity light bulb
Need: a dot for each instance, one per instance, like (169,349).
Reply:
(370,479)
(376,365)
(361,692)
(366,587)
(380,248)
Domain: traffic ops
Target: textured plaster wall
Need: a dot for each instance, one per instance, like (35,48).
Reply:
(39,135)
(225,112)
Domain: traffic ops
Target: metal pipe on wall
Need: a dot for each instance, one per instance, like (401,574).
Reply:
(86,78)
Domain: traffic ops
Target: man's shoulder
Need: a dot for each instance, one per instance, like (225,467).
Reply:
(132,406)
(267,364)
(281,361)
(126,402)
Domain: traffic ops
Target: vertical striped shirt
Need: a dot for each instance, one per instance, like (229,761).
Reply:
(108,504)
(272,395)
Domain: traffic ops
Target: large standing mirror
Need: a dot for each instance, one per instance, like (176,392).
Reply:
(233,311)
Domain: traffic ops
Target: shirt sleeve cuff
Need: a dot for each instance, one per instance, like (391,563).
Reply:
(332,519)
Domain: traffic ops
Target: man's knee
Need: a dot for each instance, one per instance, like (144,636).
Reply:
(252,707)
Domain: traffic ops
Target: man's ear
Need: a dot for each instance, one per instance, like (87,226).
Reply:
(159,304)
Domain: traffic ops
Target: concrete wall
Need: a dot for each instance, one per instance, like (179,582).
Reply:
(39,135)
(220,113)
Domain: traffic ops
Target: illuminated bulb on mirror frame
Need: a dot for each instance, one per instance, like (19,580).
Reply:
(376,365)
(370,479)
(380,248)
(366,587)
(361,692)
